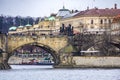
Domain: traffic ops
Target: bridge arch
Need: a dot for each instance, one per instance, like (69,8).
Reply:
(45,47)
(104,48)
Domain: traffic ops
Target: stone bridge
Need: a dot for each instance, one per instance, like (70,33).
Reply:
(104,44)
(52,44)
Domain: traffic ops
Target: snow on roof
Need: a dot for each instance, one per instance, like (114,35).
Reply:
(63,13)
(13,28)
(20,26)
(28,25)
(70,15)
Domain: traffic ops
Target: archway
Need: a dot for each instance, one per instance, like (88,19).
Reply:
(102,48)
(40,47)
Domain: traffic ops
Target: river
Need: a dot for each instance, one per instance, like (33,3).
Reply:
(32,72)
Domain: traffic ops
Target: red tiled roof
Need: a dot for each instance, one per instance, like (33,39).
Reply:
(116,19)
(99,12)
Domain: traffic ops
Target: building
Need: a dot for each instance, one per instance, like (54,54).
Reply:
(62,12)
(115,28)
(46,25)
(91,20)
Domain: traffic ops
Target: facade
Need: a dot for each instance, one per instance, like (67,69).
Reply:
(43,27)
(47,25)
(92,20)
(115,28)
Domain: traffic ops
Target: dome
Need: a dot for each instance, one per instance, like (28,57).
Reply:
(13,28)
(51,18)
(63,9)
(63,12)
(28,25)
(20,26)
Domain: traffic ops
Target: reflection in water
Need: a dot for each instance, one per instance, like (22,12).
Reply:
(32,67)
(34,72)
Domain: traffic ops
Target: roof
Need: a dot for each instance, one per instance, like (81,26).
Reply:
(70,15)
(116,19)
(20,26)
(99,12)
(12,28)
(51,18)
(63,9)
(63,12)
(28,25)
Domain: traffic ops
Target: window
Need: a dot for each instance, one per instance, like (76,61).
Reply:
(92,27)
(109,21)
(101,21)
(92,21)
(105,20)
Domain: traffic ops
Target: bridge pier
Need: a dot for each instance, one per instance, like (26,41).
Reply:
(66,61)
(3,61)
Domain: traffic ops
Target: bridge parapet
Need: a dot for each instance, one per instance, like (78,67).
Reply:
(54,42)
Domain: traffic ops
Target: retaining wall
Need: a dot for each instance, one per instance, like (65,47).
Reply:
(112,62)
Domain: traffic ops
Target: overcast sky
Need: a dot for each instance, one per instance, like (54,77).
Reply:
(41,8)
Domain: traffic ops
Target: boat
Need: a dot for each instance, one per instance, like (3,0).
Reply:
(38,62)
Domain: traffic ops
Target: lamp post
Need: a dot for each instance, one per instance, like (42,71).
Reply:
(34,31)
(28,31)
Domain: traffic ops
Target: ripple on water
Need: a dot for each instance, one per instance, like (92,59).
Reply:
(48,73)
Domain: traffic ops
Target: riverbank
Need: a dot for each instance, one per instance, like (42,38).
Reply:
(84,62)
(92,62)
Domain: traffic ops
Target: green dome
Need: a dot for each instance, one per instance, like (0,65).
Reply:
(28,25)
(51,18)
(12,28)
(46,19)
(20,26)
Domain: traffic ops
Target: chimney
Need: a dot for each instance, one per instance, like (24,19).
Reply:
(72,11)
(76,11)
(115,6)
(88,8)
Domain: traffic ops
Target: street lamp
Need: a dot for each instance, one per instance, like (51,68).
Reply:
(28,30)
(34,31)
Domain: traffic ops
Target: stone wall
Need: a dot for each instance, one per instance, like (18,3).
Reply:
(55,43)
(111,62)
(3,62)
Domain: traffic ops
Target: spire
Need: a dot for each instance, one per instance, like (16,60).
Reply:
(14,22)
(28,20)
(20,22)
(115,6)
(88,8)
(63,7)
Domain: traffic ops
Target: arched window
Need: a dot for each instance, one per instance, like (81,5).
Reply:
(101,21)
(92,21)
(109,21)
(105,20)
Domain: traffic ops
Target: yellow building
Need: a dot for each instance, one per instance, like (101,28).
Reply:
(91,20)
(115,28)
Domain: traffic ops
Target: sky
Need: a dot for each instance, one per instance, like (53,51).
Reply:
(41,8)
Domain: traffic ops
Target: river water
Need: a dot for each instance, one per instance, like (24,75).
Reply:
(28,72)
